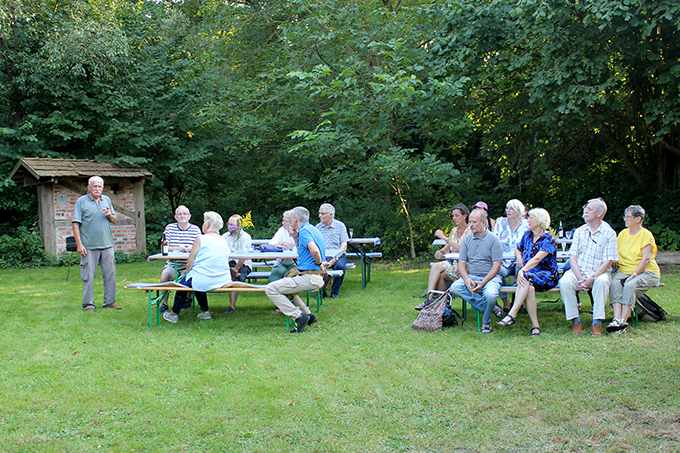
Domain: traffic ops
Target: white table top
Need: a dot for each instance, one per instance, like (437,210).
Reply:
(255,255)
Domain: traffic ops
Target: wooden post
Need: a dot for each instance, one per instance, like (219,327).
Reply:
(46,212)
(140,220)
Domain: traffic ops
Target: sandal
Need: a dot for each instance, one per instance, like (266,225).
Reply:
(535,331)
(505,323)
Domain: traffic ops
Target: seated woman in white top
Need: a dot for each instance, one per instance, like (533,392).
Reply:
(207,266)
(283,239)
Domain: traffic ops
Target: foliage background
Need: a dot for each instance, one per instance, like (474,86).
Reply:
(393,110)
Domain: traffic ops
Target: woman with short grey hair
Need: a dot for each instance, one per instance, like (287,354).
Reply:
(637,270)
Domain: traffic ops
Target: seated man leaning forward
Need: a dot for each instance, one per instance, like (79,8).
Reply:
(479,263)
(591,254)
(180,236)
(207,266)
(311,267)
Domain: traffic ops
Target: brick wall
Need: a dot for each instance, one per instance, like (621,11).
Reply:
(123,235)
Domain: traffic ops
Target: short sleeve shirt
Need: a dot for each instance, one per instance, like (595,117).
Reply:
(95,227)
(306,235)
(480,253)
(334,235)
(509,238)
(592,248)
(181,238)
(630,250)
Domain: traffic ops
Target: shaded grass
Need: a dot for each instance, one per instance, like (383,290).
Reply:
(359,380)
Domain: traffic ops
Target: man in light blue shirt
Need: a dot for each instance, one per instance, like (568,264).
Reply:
(311,267)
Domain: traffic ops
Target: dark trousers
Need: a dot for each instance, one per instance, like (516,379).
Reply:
(181,297)
(340,265)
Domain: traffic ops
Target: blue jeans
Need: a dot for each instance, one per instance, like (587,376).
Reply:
(483,300)
(339,265)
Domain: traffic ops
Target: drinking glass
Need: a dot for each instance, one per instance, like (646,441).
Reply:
(351,233)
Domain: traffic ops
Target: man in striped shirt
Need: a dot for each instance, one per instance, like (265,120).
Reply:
(180,237)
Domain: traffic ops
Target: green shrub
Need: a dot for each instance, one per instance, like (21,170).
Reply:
(25,250)
(666,238)
(121,257)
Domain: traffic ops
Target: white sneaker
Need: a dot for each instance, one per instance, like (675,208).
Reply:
(204,315)
(171,317)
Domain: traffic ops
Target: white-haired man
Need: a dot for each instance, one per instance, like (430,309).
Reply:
(591,255)
(93,215)
(335,237)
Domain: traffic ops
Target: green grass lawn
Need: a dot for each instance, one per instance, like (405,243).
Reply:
(358,381)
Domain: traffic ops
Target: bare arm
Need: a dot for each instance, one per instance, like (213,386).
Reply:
(76,235)
(316,254)
(193,253)
(644,262)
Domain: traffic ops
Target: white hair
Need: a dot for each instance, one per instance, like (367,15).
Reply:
(215,221)
(328,207)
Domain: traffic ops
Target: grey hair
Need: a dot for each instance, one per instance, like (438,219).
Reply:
(288,214)
(215,220)
(328,207)
(301,213)
(601,205)
(517,206)
(542,217)
(636,211)
(95,178)
(482,213)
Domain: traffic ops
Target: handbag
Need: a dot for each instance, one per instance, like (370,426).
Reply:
(269,248)
(430,318)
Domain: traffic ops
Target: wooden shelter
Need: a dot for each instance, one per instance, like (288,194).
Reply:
(60,182)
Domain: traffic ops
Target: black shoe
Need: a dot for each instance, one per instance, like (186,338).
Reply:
(424,304)
(301,323)
(164,307)
(335,296)
(312,320)
(324,294)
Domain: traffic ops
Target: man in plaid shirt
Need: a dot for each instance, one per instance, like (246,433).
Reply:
(591,254)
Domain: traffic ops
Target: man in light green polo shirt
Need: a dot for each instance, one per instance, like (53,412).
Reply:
(93,215)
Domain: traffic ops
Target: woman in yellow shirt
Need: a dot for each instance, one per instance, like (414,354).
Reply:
(637,268)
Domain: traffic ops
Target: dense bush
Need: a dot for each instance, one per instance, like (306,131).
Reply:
(25,250)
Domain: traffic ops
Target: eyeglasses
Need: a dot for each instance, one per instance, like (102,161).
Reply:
(323,213)
(182,214)
(628,217)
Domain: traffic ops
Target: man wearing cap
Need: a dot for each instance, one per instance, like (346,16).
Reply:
(479,263)
(490,223)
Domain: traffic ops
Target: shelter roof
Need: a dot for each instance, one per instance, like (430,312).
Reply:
(44,169)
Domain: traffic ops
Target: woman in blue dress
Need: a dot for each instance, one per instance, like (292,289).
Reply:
(537,262)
